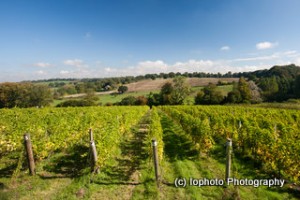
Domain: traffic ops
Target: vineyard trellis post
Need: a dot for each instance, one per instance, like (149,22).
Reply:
(91,134)
(93,151)
(29,152)
(155,158)
(228,159)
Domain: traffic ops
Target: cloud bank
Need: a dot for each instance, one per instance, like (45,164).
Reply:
(77,68)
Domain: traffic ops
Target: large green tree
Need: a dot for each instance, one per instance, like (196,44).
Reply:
(180,90)
(209,95)
(244,90)
(40,95)
(165,93)
(270,87)
(24,95)
(122,89)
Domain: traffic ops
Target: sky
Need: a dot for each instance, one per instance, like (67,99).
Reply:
(108,38)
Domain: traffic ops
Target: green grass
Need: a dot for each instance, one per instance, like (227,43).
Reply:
(110,98)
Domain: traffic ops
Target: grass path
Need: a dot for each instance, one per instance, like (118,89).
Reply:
(120,180)
(182,160)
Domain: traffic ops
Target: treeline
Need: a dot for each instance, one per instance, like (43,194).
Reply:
(24,95)
(129,79)
(280,83)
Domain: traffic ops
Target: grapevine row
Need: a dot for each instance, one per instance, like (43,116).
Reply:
(268,136)
(57,129)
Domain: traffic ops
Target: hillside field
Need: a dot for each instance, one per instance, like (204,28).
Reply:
(144,87)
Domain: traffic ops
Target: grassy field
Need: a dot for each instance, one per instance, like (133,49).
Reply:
(113,98)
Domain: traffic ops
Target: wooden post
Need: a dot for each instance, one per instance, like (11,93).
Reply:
(94,159)
(275,132)
(91,135)
(155,158)
(29,153)
(93,151)
(228,159)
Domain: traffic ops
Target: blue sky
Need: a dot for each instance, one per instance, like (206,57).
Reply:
(96,38)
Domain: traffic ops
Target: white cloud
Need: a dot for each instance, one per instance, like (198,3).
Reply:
(41,72)
(265,45)
(79,73)
(99,69)
(208,66)
(225,48)
(42,64)
(155,66)
(63,72)
(158,66)
(76,63)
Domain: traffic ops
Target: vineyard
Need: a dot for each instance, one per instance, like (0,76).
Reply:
(191,144)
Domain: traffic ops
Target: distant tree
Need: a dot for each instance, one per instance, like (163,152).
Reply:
(151,76)
(234,97)
(180,92)
(122,89)
(10,94)
(285,89)
(24,95)
(209,95)
(127,101)
(199,98)
(91,96)
(109,104)
(244,90)
(40,95)
(171,75)
(269,87)
(80,88)
(255,92)
(70,89)
(154,99)
(141,100)
(165,93)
